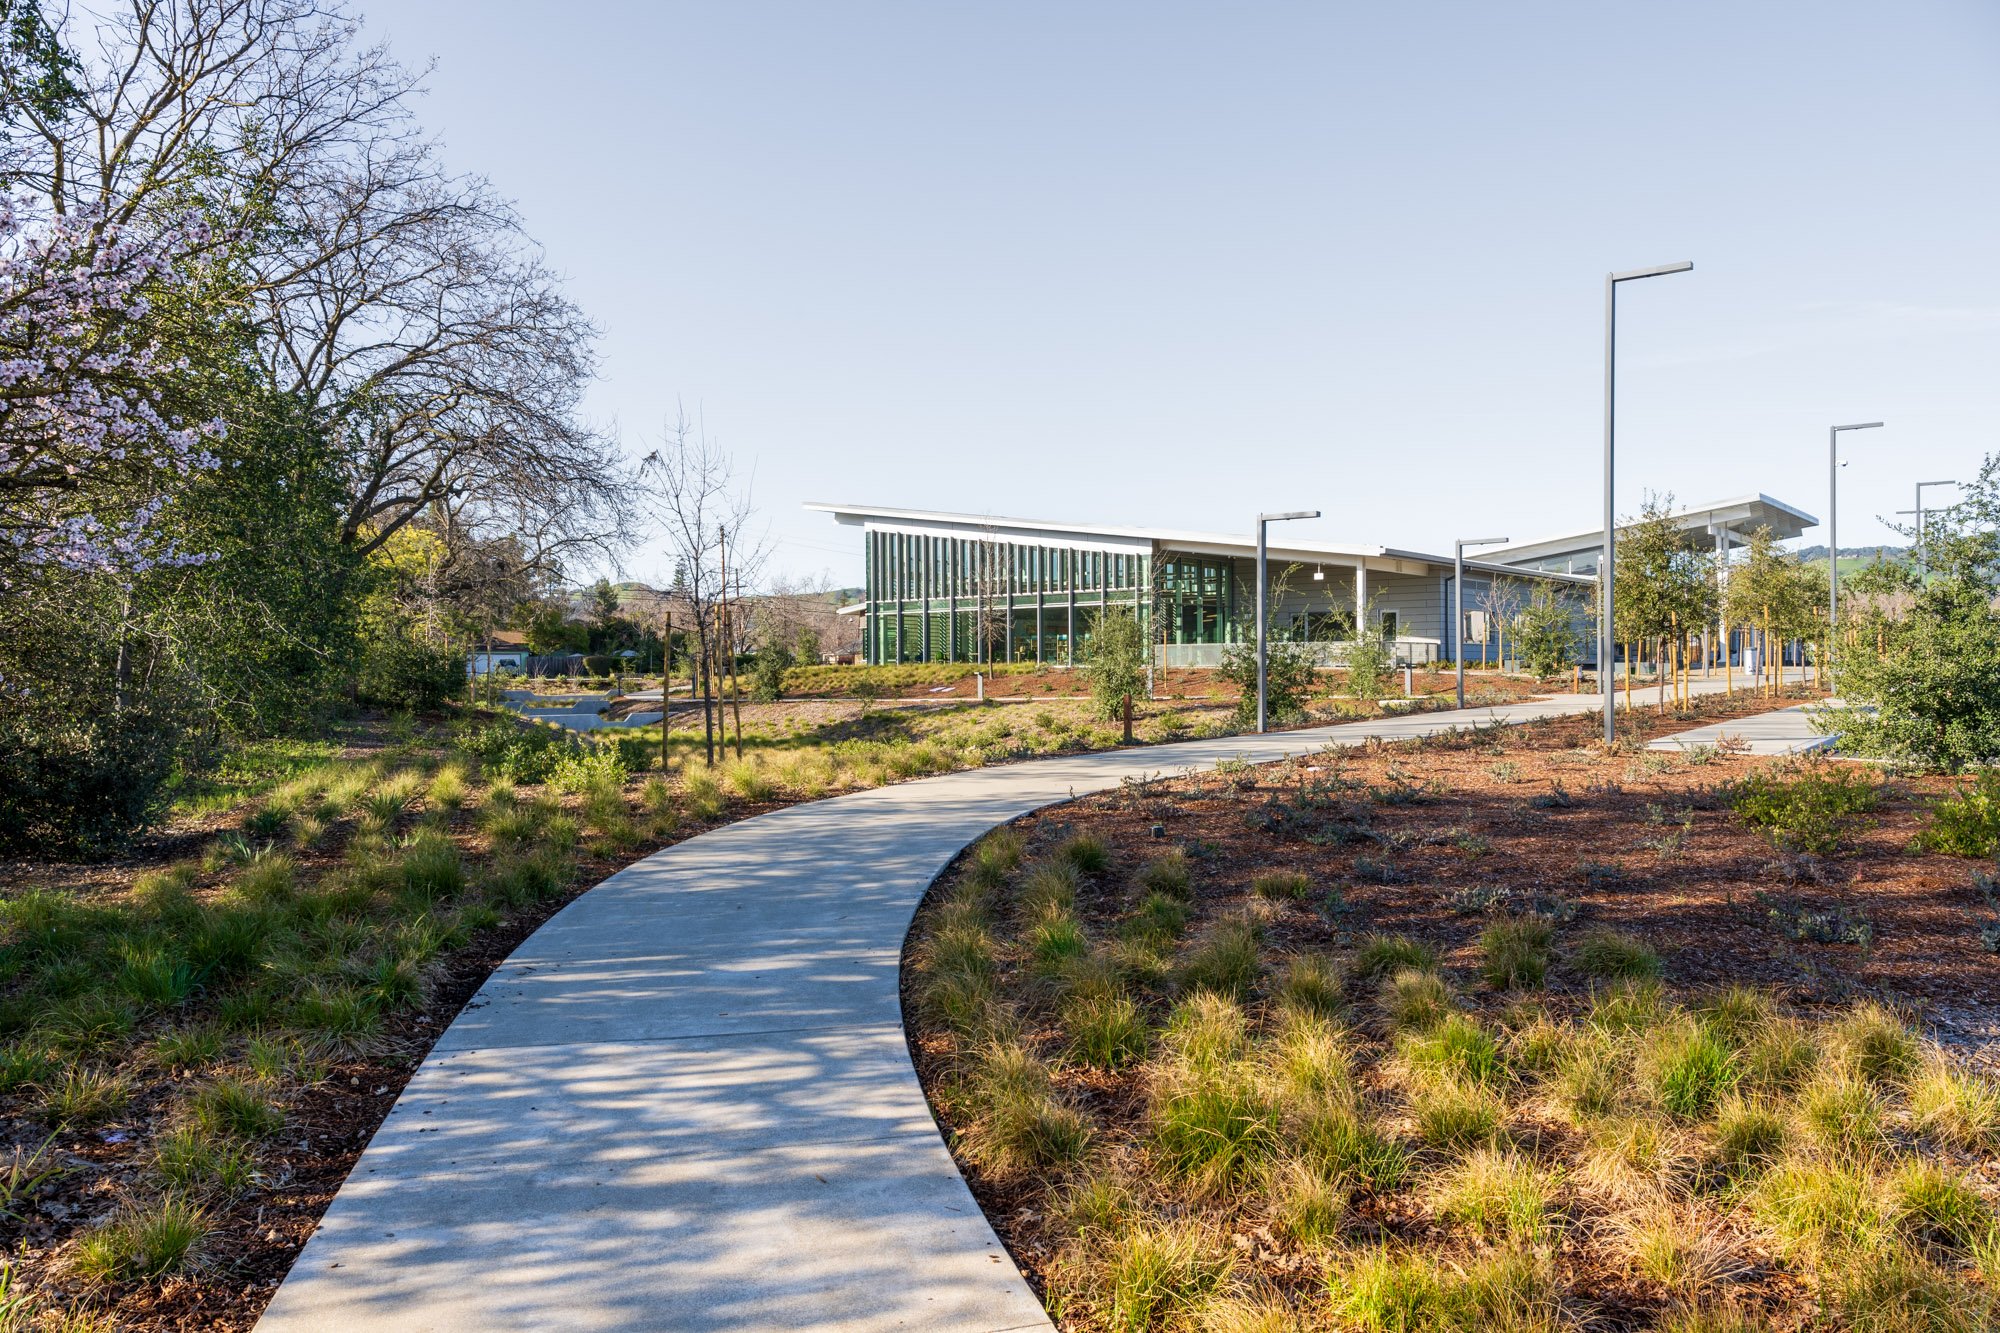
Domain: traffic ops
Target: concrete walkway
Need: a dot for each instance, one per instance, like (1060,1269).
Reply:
(1786,731)
(686,1103)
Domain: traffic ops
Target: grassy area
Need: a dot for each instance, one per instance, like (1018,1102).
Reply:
(191,1052)
(1355,1049)
(196,1043)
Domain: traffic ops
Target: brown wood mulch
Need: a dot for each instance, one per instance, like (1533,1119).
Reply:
(1533,817)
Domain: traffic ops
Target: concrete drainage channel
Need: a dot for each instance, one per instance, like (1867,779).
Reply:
(686,1101)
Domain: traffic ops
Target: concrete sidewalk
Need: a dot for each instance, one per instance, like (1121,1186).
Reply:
(1785,731)
(686,1102)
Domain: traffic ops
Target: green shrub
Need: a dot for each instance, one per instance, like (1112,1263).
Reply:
(1812,812)
(1967,822)
(80,784)
(519,751)
(1291,671)
(399,673)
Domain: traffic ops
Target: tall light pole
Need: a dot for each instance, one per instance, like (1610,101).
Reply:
(1606,574)
(1458,602)
(1833,533)
(1262,520)
(1922,563)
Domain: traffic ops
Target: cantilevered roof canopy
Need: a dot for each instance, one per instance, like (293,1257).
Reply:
(1739,517)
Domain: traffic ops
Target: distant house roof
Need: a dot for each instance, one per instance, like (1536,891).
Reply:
(505,641)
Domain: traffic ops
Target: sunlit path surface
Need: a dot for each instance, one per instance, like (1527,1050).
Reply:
(686,1103)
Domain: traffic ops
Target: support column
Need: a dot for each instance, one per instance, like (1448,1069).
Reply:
(1360,594)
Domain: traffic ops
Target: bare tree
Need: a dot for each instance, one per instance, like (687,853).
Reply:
(1501,603)
(690,488)
(405,304)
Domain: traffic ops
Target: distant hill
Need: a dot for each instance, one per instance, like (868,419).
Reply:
(1867,553)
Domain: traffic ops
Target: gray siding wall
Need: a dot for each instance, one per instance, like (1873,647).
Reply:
(1417,600)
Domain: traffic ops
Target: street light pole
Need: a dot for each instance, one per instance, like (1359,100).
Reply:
(1458,602)
(1923,565)
(1833,534)
(1606,574)
(1262,520)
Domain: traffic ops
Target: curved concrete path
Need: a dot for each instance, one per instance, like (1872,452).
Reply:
(686,1103)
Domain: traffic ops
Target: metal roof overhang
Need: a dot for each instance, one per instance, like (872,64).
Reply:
(1740,516)
(1143,541)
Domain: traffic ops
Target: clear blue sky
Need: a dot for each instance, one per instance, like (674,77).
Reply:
(1157,263)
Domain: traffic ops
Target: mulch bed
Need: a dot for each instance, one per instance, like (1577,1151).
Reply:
(1537,816)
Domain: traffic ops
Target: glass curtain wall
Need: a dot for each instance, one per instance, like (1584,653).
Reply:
(939,598)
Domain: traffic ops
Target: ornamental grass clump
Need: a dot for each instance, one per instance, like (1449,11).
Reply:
(1019,1123)
(1309,984)
(1608,955)
(1687,1070)
(1453,1115)
(1168,874)
(1106,1031)
(1224,962)
(1416,1001)
(144,1242)
(1457,1048)
(1953,1106)
(1382,955)
(1495,1195)
(1154,1274)
(1282,886)
(1873,1043)
(1515,953)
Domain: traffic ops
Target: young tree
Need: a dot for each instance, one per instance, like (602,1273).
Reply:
(1115,662)
(1501,601)
(1772,594)
(1545,630)
(1370,656)
(690,486)
(1665,591)
(1920,677)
